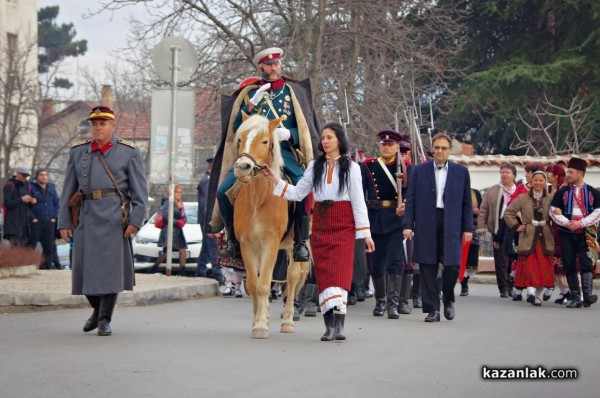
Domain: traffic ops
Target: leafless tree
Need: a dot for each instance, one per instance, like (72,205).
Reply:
(553,129)
(18,101)
(378,56)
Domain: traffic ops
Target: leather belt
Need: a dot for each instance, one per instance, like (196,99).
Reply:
(99,194)
(376,204)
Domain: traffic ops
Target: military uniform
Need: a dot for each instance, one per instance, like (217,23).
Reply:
(386,263)
(102,262)
(292,101)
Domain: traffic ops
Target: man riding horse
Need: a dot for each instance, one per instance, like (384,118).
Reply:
(274,96)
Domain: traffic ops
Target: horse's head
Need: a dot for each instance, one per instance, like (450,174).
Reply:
(257,145)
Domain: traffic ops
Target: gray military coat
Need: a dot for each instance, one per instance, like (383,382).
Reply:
(102,260)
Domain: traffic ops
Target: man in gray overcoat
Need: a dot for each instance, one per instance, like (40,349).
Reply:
(102,261)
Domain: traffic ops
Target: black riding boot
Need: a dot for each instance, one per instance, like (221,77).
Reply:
(107,306)
(231,248)
(393,295)
(338,320)
(573,282)
(329,326)
(380,297)
(403,305)
(311,300)
(464,286)
(301,235)
(92,322)
(586,286)
(415,291)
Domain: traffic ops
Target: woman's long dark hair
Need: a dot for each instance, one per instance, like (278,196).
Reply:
(344,161)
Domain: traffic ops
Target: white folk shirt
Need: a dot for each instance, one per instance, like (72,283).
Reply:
(329,191)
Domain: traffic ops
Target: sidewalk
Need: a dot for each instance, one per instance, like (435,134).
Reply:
(48,288)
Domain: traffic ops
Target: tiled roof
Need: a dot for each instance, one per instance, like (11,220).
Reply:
(497,160)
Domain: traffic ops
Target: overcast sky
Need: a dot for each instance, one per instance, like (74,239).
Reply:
(104,33)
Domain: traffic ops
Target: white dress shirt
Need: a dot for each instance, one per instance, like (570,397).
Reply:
(441,175)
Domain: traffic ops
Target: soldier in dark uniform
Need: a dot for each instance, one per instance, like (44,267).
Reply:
(109,215)
(380,184)
(275,96)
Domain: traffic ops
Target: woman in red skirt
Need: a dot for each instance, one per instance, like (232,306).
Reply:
(339,217)
(535,269)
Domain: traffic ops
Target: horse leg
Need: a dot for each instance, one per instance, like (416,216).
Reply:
(268,257)
(293,277)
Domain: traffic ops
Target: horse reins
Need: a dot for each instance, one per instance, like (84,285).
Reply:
(256,169)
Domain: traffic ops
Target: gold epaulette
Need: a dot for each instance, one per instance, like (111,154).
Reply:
(82,142)
(126,142)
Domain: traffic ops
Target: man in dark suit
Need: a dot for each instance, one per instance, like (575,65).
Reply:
(439,215)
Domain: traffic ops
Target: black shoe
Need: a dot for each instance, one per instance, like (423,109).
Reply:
(517,297)
(504,294)
(338,322)
(531,299)
(104,328)
(546,297)
(464,291)
(449,310)
(352,299)
(537,302)
(91,323)
(360,295)
(588,301)
(417,302)
(329,326)
(301,253)
(433,317)
(563,297)
(575,304)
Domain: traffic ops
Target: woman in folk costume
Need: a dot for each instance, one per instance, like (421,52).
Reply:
(535,269)
(556,179)
(339,217)
(473,255)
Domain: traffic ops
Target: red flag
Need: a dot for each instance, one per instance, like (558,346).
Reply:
(463,260)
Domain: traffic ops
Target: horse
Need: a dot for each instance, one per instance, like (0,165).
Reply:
(261,220)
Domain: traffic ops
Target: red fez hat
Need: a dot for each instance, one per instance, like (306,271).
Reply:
(577,164)
(389,136)
(102,112)
(405,146)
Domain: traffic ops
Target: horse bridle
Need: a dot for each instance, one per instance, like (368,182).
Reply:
(256,169)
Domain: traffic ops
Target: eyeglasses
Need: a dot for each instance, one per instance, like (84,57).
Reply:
(440,148)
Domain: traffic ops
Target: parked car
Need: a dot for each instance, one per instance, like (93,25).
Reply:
(145,243)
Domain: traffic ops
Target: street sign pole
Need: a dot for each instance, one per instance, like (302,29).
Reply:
(172,144)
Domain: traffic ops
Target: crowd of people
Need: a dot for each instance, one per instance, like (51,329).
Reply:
(30,211)
(379,221)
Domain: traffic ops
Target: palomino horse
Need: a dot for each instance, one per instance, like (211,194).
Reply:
(261,219)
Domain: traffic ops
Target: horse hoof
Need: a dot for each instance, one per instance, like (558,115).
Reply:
(260,333)
(287,327)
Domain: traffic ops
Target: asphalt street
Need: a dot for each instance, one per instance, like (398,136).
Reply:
(203,348)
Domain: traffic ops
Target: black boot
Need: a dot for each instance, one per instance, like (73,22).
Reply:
(329,326)
(338,320)
(573,282)
(231,247)
(301,235)
(403,305)
(311,300)
(464,286)
(393,295)
(380,298)
(587,280)
(92,322)
(107,306)
(415,291)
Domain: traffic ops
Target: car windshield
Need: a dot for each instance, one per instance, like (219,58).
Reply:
(191,211)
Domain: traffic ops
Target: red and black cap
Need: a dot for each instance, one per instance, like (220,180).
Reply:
(102,112)
(389,137)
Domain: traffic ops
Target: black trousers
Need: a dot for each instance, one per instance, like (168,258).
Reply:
(430,290)
(573,247)
(388,259)
(43,232)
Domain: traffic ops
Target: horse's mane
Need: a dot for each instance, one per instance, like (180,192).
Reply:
(261,123)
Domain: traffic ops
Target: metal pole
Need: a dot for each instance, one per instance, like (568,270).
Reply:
(172,144)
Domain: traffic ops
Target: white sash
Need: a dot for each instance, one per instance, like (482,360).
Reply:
(389,175)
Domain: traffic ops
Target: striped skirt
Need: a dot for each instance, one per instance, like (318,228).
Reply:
(332,242)
(535,269)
